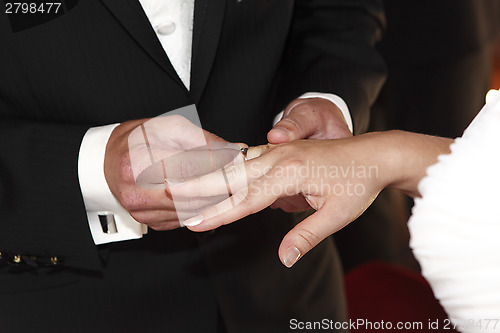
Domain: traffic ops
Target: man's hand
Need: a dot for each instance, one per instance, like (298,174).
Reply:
(136,145)
(307,118)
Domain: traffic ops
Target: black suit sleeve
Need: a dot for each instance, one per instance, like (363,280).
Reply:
(42,210)
(331,49)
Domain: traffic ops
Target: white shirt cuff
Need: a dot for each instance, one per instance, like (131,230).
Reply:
(339,102)
(97,196)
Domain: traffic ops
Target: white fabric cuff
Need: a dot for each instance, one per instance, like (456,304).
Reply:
(97,196)
(339,102)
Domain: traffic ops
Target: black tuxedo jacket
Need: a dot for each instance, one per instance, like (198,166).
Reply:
(99,62)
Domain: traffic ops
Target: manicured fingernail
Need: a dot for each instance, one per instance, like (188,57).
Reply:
(173,182)
(292,254)
(194,221)
(231,145)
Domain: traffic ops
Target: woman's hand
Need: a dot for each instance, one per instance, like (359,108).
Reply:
(330,174)
(339,178)
(307,118)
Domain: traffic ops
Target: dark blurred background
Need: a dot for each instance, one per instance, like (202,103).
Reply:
(440,56)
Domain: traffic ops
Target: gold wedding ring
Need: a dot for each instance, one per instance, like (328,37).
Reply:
(253,152)
(244,151)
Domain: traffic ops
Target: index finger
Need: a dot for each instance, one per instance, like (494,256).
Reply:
(188,164)
(228,179)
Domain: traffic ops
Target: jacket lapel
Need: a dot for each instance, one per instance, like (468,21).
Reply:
(131,16)
(208,19)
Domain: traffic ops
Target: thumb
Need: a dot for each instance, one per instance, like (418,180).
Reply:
(297,123)
(309,233)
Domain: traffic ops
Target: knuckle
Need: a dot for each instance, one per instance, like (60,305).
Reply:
(164,226)
(292,123)
(177,120)
(156,227)
(187,169)
(130,200)
(308,237)
(139,217)
(293,162)
(242,197)
(291,167)
(194,204)
(232,173)
(213,211)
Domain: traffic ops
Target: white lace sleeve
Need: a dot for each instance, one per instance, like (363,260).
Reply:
(455,227)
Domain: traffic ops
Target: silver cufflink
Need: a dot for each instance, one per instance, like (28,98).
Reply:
(108,223)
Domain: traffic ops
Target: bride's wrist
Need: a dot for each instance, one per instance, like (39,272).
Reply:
(412,154)
(391,159)
(399,162)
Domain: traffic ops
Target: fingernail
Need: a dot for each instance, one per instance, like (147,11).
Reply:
(173,182)
(292,254)
(232,145)
(194,221)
